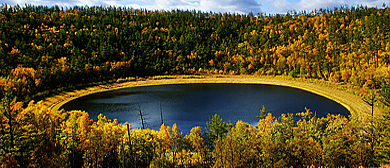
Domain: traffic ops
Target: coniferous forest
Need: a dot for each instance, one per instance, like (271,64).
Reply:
(47,48)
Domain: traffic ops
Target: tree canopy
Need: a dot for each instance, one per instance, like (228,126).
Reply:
(45,48)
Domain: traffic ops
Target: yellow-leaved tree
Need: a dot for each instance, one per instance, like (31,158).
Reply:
(196,146)
(102,143)
(236,148)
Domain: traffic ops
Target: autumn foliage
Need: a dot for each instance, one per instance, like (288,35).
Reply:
(46,48)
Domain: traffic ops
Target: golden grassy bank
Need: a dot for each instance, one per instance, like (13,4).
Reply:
(353,103)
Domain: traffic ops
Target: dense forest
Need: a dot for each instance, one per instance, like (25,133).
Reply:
(46,48)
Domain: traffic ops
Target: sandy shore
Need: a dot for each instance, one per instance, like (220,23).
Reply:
(353,103)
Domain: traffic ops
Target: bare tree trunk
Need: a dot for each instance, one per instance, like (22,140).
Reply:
(142,119)
(161,113)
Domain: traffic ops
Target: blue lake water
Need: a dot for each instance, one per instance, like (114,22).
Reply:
(190,105)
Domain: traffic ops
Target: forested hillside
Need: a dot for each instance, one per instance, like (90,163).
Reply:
(46,48)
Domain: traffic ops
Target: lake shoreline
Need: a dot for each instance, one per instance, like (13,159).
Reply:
(354,104)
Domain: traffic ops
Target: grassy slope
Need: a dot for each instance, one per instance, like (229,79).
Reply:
(352,102)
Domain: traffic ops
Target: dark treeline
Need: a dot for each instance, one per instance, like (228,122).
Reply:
(45,48)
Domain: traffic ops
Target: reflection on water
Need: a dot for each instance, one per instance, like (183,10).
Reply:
(191,105)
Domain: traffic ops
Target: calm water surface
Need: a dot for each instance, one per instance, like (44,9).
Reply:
(190,105)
